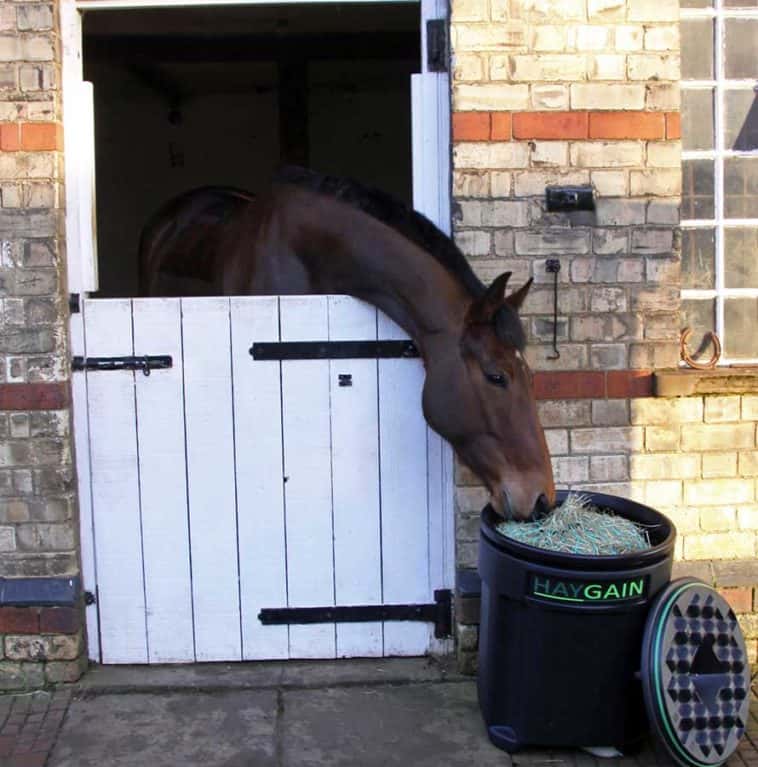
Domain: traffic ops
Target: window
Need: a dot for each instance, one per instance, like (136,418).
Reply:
(720,173)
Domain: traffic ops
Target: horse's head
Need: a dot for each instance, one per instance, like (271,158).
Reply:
(479,396)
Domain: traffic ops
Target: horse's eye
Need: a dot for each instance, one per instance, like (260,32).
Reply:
(498,379)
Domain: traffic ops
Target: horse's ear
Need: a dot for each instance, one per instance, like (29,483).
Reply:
(516,298)
(483,309)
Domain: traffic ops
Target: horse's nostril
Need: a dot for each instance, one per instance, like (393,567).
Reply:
(541,508)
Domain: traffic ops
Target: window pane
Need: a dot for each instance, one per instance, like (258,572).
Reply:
(741,129)
(700,317)
(741,187)
(741,258)
(740,323)
(697,49)
(741,38)
(698,259)
(697,189)
(737,4)
(697,119)
(696,4)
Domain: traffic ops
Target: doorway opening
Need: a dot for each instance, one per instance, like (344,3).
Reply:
(223,96)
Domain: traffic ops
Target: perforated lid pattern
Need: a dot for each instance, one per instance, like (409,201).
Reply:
(699,690)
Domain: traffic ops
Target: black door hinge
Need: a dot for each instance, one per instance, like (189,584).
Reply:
(332,350)
(89,598)
(438,612)
(436,45)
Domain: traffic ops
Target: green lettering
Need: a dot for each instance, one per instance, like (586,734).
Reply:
(560,589)
(593,591)
(611,592)
(635,588)
(540,585)
(576,589)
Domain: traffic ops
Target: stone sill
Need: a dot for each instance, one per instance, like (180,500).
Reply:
(687,383)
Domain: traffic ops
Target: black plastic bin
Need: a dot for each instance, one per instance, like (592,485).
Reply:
(561,636)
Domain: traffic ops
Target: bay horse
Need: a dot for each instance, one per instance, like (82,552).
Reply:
(317,234)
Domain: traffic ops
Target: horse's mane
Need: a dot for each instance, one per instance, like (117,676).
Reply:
(413,226)
(391,211)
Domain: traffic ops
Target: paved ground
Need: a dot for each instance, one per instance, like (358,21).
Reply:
(404,713)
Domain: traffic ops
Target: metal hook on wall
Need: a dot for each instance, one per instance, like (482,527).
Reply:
(553,266)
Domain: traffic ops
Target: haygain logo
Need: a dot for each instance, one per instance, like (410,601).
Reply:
(561,590)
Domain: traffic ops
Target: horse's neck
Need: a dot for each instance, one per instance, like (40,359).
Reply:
(377,264)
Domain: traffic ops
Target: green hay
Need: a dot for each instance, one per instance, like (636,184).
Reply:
(578,527)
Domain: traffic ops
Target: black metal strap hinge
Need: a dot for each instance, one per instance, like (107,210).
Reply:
(439,613)
(333,350)
(436,45)
(145,363)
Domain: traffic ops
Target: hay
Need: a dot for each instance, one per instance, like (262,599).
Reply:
(578,527)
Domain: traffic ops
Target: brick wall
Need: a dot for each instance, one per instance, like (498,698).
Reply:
(37,505)
(552,92)
(574,92)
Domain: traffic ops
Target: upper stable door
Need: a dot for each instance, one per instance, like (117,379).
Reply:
(183,97)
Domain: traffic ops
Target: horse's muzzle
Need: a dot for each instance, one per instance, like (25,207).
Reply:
(541,508)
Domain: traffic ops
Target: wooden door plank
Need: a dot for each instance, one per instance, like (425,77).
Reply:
(403,466)
(307,467)
(355,478)
(260,485)
(115,485)
(163,484)
(211,481)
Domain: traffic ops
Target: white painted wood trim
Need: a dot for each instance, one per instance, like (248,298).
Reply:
(113,5)
(81,438)
(430,130)
(78,156)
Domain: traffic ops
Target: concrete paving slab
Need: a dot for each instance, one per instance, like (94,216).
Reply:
(231,729)
(367,671)
(417,725)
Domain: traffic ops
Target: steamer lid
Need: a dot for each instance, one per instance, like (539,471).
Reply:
(695,674)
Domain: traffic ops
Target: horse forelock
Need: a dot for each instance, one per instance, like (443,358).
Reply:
(509,328)
(394,213)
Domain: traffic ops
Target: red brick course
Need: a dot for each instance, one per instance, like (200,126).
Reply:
(627,125)
(471,126)
(593,384)
(40,620)
(501,126)
(628,383)
(19,620)
(59,620)
(31,137)
(618,125)
(673,125)
(9,137)
(550,125)
(34,396)
(740,599)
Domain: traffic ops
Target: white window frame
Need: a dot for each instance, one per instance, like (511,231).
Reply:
(719,223)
